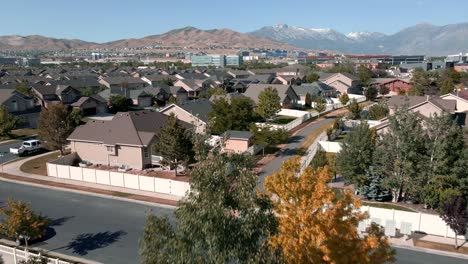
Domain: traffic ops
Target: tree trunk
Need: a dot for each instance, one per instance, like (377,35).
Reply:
(456,240)
(61,151)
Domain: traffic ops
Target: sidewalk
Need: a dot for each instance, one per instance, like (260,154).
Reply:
(12,173)
(432,244)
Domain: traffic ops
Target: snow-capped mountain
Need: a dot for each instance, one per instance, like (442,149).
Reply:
(366,35)
(419,39)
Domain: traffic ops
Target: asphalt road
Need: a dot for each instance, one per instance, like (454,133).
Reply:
(100,229)
(290,150)
(406,256)
(5,154)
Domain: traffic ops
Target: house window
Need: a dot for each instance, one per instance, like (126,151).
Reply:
(110,149)
(146,152)
(14,105)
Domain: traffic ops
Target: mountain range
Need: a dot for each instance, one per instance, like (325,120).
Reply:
(424,39)
(183,37)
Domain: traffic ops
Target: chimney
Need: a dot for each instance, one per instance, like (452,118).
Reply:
(428,97)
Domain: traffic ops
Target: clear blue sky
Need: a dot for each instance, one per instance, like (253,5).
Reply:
(107,20)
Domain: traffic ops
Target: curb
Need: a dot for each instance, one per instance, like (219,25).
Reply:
(112,197)
(432,251)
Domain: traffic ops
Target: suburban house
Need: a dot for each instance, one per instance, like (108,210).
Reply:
(342,82)
(138,97)
(192,86)
(286,79)
(193,112)
(288,96)
(315,89)
(461,97)
(124,141)
(53,94)
(425,106)
(91,105)
(395,85)
(154,79)
(21,106)
(123,82)
(237,141)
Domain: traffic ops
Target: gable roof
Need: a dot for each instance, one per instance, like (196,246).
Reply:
(199,108)
(236,134)
(448,106)
(129,128)
(6,94)
(253,90)
(315,88)
(84,99)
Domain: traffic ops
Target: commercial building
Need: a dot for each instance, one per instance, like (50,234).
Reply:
(233,60)
(208,60)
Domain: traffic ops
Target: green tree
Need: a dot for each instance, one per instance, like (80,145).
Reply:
(56,123)
(88,91)
(378,111)
(19,219)
(420,82)
(440,188)
(365,75)
(174,143)
(373,189)
(344,99)
(7,122)
(237,114)
(447,86)
(118,103)
(222,219)
(312,77)
(35,260)
(454,212)
(268,136)
(268,103)
(371,93)
(356,154)
(354,109)
(168,82)
(320,160)
(384,90)
(320,105)
(23,88)
(308,100)
(173,100)
(398,158)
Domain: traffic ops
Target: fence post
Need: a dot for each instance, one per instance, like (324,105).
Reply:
(393,214)
(419,223)
(14,256)
(57,261)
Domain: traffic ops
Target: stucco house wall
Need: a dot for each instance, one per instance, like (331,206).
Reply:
(236,145)
(96,153)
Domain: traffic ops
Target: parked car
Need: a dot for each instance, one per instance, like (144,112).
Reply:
(29,146)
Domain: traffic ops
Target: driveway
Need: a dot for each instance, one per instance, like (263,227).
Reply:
(5,154)
(291,148)
(90,227)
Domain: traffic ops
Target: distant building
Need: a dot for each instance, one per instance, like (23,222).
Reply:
(96,56)
(404,59)
(8,61)
(233,60)
(208,60)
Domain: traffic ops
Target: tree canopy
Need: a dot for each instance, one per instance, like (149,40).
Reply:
(56,123)
(317,227)
(7,122)
(238,114)
(174,143)
(222,219)
(268,103)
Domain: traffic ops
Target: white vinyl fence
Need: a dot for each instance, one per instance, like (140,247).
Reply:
(310,153)
(330,146)
(427,223)
(14,255)
(119,179)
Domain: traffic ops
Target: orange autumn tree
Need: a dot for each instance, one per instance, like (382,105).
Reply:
(317,227)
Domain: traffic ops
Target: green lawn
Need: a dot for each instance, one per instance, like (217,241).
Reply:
(38,165)
(339,195)
(281,120)
(387,206)
(20,134)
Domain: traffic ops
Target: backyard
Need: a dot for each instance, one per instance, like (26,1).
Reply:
(282,120)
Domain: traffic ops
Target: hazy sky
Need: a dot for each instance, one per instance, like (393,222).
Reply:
(107,20)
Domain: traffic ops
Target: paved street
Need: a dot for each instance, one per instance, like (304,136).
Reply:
(406,256)
(290,150)
(99,229)
(5,151)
